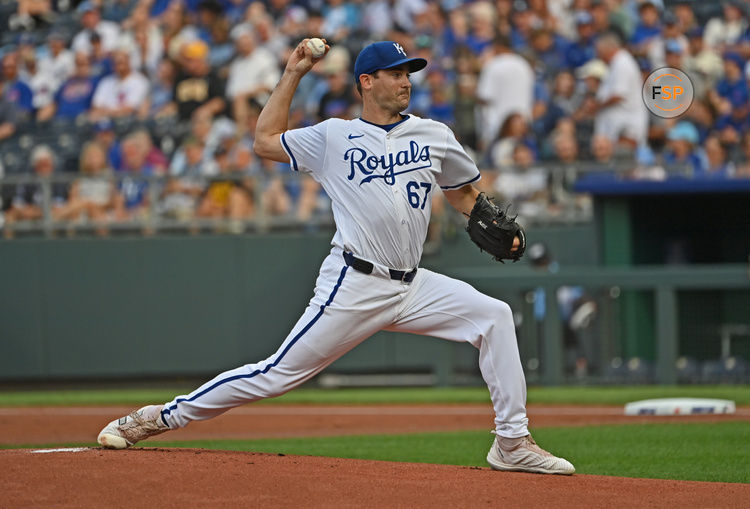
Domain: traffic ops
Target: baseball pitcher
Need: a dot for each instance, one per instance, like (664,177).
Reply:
(380,171)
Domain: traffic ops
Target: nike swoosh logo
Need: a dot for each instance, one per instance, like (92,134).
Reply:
(351,136)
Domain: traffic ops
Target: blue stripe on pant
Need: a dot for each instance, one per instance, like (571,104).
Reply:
(168,410)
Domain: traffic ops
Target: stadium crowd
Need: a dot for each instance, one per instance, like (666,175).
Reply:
(149,106)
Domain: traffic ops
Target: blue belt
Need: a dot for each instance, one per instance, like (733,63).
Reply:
(358,264)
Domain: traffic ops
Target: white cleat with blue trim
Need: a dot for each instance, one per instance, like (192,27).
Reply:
(523,455)
(138,425)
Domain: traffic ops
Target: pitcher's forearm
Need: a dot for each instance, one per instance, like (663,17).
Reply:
(274,117)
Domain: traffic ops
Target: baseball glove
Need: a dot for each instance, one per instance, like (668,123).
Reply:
(493,230)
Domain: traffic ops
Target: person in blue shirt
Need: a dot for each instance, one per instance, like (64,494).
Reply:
(731,99)
(73,98)
(549,53)
(13,89)
(733,86)
(649,25)
(682,149)
(583,49)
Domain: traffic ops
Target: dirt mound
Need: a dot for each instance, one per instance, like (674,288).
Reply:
(167,478)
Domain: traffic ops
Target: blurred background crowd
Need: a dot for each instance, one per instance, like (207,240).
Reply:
(142,112)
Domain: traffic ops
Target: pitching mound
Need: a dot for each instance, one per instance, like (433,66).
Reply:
(166,478)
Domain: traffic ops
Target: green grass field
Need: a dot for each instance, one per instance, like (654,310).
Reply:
(686,451)
(536,395)
(689,451)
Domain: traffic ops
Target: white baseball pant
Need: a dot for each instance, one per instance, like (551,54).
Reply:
(347,308)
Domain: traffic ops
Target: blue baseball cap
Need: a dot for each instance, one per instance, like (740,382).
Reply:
(384,55)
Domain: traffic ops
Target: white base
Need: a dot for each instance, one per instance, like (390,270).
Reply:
(680,406)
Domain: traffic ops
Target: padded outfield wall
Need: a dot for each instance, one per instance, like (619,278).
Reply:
(194,305)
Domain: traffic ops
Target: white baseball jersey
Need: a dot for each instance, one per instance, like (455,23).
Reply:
(381,182)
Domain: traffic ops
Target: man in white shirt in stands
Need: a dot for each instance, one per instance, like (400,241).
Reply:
(253,73)
(621,115)
(121,93)
(506,85)
(93,23)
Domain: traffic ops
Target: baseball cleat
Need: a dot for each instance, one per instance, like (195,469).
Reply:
(138,425)
(523,455)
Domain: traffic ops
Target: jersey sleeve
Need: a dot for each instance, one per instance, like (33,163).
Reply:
(458,169)
(306,147)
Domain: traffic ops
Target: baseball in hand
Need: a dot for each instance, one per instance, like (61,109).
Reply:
(317,46)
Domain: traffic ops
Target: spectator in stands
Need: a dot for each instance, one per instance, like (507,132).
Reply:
(620,112)
(548,53)
(482,31)
(727,30)
(441,106)
(253,73)
(514,132)
(685,14)
(41,84)
(645,41)
(189,174)
(133,200)
(160,102)
(101,59)
(716,163)
(603,150)
(139,155)
(92,22)
(144,37)
(582,49)
(14,90)
(731,99)
(122,93)
(673,31)
(105,136)
(197,87)
(209,14)
(269,36)
(338,101)
(228,194)
(565,98)
(591,75)
(682,148)
(175,29)
(525,184)
(566,148)
(513,75)
(522,24)
(602,18)
(29,200)
(93,195)
(59,63)
(704,61)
